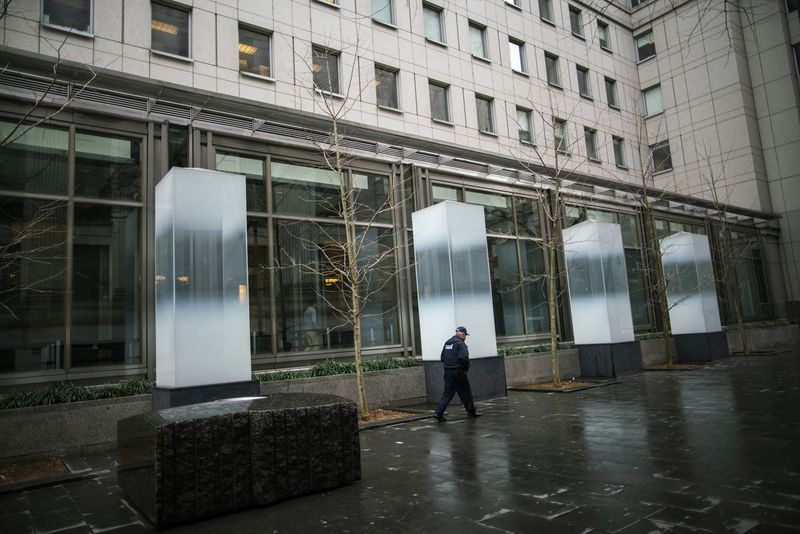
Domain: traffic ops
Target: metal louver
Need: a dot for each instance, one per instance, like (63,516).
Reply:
(112,99)
(37,85)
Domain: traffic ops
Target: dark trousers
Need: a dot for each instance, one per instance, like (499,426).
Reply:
(456,381)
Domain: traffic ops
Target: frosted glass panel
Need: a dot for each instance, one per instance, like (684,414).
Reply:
(691,293)
(598,284)
(202,310)
(453,283)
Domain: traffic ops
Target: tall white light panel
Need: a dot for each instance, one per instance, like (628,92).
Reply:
(202,310)
(598,283)
(691,293)
(453,283)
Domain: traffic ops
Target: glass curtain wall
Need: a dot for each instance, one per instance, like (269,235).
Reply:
(516,258)
(70,263)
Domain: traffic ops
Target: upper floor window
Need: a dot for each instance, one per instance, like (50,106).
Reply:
(516,50)
(653,104)
(603,35)
(524,125)
(325,66)
(434,29)
(576,21)
(584,86)
(331,2)
(546,10)
(553,73)
(796,48)
(440,105)
(619,151)
(254,52)
(645,46)
(635,3)
(792,5)
(561,141)
(383,11)
(477,38)
(485,113)
(661,157)
(611,92)
(515,3)
(590,136)
(75,15)
(386,86)
(170,30)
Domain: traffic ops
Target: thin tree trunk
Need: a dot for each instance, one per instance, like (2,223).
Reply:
(551,287)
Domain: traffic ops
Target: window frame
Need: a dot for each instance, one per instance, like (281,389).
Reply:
(328,53)
(652,91)
(611,90)
(522,59)
(576,22)
(492,130)
(392,23)
(185,9)
(550,18)
(660,146)
(445,87)
(472,25)
(619,157)
(85,33)
(604,28)
(263,33)
(514,3)
(583,73)
(560,144)
(387,68)
(553,58)
(440,17)
(639,58)
(529,119)
(594,153)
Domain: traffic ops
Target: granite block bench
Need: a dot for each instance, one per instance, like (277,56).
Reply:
(197,461)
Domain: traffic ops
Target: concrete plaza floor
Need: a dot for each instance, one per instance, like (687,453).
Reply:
(709,450)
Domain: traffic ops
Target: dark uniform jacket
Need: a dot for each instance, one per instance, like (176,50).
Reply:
(455,354)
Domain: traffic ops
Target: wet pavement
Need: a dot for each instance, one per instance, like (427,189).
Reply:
(709,450)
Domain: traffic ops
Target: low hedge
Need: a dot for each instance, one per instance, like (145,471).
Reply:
(756,324)
(332,367)
(68,392)
(511,351)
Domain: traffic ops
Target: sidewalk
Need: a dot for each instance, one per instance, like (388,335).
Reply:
(710,450)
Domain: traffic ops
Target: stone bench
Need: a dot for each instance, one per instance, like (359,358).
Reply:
(201,460)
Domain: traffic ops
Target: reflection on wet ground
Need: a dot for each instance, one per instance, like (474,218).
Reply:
(711,450)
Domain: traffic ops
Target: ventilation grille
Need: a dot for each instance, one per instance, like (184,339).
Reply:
(508,173)
(37,85)
(221,119)
(171,110)
(425,157)
(393,152)
(356,144)
(469,166)
(112,99)
(295,133)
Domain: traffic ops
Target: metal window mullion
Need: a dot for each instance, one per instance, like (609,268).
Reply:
(148,327)
(70,249)
(273,316)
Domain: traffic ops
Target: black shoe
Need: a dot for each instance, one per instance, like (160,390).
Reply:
(473,415)
(439,418)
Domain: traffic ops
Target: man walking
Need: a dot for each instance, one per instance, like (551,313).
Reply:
(455,356)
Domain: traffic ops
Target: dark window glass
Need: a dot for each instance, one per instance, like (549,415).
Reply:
(379,324)
(603,35)
(524,128)
(326,69)
(584,87)
(485,118)
(636,287)
(528,218)
(645,46)
(73,14)
(308,191)
(504,272)
(535,288)
(33,239)
(440,109)
(561,141)
(627,222)
(496,209)
(169,30)
(433,23)
(107,167)
(254,52)
(258,282)
(576,21)
(371,200)
(611,92)
(573,215)
(553,74)
(662,158)
(591,144)
(383,11)
(440,193)
(477,37)
(546,10)
(253,171)
(619,151)
(105,286)
(178,142)
(33,160)
(796,48)
(386,87)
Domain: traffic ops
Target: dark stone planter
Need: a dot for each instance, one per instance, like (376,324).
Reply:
(608,360)
(202,460)
(487,378)
(164,398)
(705,347)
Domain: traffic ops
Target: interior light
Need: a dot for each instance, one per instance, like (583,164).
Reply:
(164,27)
(183,278)
(330,281)
(247,49)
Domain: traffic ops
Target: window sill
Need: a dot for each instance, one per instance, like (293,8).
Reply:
(486,132)
(587,97)
(548,21)
(563,153)
(607,49)
(617,108)
(551,84)
(71,31)
(386,24)
(663,171)
(329,93)
(480,58)
(645,60)
(515,6)
(654,115)
(527,143)
(390,108)
(579,36)
(329,4)
(444,122)
(623,167)
(595,160)
(257,76)
(172,56)
(437,43)
(521,73)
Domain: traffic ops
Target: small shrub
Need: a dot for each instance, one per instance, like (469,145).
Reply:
(332,367)
(510,351)
(648,336)
(68,392)
(756,324)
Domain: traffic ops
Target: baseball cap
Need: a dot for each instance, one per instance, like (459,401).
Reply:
(462,329)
